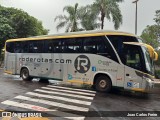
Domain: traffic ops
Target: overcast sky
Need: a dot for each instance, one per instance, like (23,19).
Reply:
(46,10)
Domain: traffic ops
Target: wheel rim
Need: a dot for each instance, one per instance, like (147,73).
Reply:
(103,83)
(25,74)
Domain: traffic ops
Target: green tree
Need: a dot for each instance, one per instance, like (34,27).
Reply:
(6,31)
(24,24)
(70,21)
(149,35)
(108,9)
(157,19)
(15,23)
(89,19)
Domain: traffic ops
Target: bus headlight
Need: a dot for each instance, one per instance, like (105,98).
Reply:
(149,82)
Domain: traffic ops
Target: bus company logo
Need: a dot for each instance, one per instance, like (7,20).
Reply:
(82,64)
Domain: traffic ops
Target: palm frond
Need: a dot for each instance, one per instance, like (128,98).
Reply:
(61,25)
(116,15)
(68,27)
(60,17)
(69,9)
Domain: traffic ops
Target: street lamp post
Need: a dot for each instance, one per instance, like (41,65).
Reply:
(135,16)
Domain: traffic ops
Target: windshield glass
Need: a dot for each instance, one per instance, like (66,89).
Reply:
(134,56)
(148,61)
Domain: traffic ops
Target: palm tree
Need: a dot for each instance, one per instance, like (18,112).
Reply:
(89,19)
(109,9)
(70,21)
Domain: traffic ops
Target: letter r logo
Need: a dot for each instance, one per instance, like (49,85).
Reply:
(82,64)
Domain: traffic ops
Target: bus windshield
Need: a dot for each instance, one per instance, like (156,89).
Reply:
(148,61)
(134,56)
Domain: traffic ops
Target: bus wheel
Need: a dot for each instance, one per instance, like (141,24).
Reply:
(25,74)
(43,80)
(103,84)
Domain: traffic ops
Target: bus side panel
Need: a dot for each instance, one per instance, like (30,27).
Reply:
(79,69)
(32,62)
(106,66)
(120,76)
(132,80)
(47,66)
(53,66)
(10,63)
(84,67)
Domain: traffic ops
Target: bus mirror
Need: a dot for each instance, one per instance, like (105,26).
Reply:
(155,56)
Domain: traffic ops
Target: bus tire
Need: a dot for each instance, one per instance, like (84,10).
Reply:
(103,84)
(25,74)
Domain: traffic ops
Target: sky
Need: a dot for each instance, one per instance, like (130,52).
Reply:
(47,10)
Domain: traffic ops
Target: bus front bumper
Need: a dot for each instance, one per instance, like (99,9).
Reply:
(149,84)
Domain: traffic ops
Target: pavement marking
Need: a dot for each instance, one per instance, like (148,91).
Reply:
(38,108)
(72,107)
(69,91)
(67,88)
(64,94)
(60,98)
(26,106)
(47,96)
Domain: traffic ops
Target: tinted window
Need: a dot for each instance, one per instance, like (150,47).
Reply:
(53,46)
(57,45)
(18,47)
(117,42)
(49,47)
(99,45)
(10,47)
(35,46)
(133,56)
(72,45)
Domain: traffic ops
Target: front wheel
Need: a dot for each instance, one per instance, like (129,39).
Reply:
(25,74)
(103,84)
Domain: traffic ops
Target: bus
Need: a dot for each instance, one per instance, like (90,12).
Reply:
(103,59)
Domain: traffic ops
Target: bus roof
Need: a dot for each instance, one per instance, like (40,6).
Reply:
(74,35)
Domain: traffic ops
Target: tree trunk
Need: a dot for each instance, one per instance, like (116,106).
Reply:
(102,19)
(102,14)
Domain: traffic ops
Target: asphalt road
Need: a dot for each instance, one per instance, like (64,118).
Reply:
(69,102)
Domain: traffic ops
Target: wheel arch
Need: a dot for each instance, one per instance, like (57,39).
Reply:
(101,74)
(23,67)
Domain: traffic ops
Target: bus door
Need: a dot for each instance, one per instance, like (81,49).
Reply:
(133,64)
(10,65)
(10,57)
(120,76)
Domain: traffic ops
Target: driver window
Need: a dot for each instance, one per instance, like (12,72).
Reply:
(133,57)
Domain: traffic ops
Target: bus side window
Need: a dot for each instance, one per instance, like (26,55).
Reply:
(10,47)
(40,46)
(36,46)
(48,46)
(57,46)
(90,45)
(71,45)
(25,46)
(18,47)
